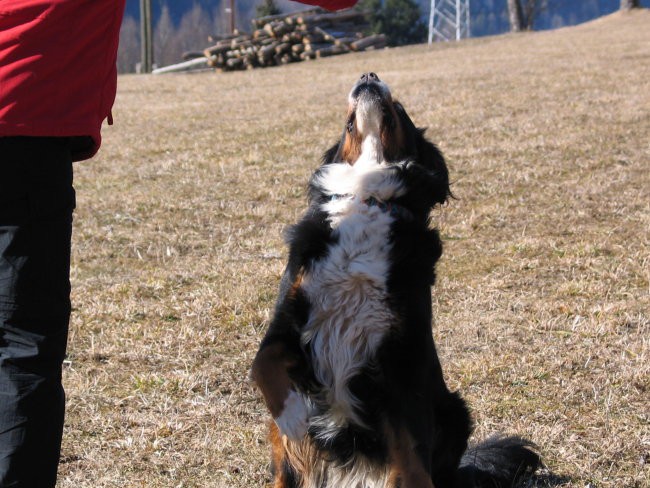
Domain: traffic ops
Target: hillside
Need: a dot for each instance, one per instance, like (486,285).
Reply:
(542,304)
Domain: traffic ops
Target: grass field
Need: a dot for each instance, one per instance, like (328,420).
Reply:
(542,308)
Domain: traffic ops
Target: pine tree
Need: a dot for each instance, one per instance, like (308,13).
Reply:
(128,53)
(400,20)
(165,49)
(268,7)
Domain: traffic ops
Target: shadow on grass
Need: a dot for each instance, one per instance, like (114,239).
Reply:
(545,479)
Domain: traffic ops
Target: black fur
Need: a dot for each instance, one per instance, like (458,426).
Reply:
(497,461)
(405,385)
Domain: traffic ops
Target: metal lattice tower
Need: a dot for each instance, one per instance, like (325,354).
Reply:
(449,20)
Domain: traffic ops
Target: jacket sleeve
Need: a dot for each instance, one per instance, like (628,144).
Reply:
(57,68)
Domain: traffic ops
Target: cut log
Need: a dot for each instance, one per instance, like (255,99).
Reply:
(261,21)
(216,61)
(307,55)
(184,66)
(375,42)
(267,52)
(345,41)
(242,44)
(187,55)
(317,46)
(324,34)
(294,37)
(220,37)
(218,48)
(277,29)
(235,41)
(315,37)
(283,48)
(260,34)
(235,63)
(288,18)
(331,51)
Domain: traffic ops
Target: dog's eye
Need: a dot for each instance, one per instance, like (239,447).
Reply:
(350,125)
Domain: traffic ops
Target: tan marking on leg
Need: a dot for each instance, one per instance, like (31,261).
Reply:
(297,283)
(406,470)
(301,456)
(278,456)
(304,458)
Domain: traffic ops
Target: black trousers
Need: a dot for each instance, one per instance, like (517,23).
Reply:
(36,204)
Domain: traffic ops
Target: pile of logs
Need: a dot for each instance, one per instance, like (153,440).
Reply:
(287,38)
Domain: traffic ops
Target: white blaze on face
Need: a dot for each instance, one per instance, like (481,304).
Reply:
(369,115)
(368,107)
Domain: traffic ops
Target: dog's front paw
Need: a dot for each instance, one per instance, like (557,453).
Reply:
(294,418)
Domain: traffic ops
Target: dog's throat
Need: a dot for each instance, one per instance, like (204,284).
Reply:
(372,151)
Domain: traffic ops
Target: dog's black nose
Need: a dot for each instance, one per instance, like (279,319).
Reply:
(369,77)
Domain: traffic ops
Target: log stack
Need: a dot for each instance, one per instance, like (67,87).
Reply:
(283,39)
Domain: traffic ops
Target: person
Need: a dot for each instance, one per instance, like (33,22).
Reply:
(57,85)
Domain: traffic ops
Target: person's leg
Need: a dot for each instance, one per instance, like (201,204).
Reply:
(36,204)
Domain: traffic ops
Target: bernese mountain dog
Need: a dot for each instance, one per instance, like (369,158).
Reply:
(348,366)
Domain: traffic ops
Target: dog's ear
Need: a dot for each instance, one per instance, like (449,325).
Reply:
(430,157)
(426,155)
(332,155)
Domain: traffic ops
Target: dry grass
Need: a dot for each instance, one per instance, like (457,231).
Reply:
(542,306)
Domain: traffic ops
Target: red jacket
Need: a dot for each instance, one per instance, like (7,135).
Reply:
(57,67)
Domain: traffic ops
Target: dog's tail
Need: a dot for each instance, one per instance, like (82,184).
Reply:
(498,462)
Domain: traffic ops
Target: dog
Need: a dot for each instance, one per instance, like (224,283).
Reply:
(348,367)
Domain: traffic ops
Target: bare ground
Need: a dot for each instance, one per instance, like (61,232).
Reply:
(543,302)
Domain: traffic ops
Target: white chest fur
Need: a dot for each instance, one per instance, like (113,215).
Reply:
(347,289)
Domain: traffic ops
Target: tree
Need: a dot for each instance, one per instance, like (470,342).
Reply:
(128,53)
(522,13)
(515,15)
(268,7)
(630,4)
(165,49)
(193,30)
(400,20)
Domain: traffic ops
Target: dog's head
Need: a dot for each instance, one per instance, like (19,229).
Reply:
(378,124)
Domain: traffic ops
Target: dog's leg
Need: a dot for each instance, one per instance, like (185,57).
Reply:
(283,475)
(406,468)
(296,464)
(271,374)
(287,405)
